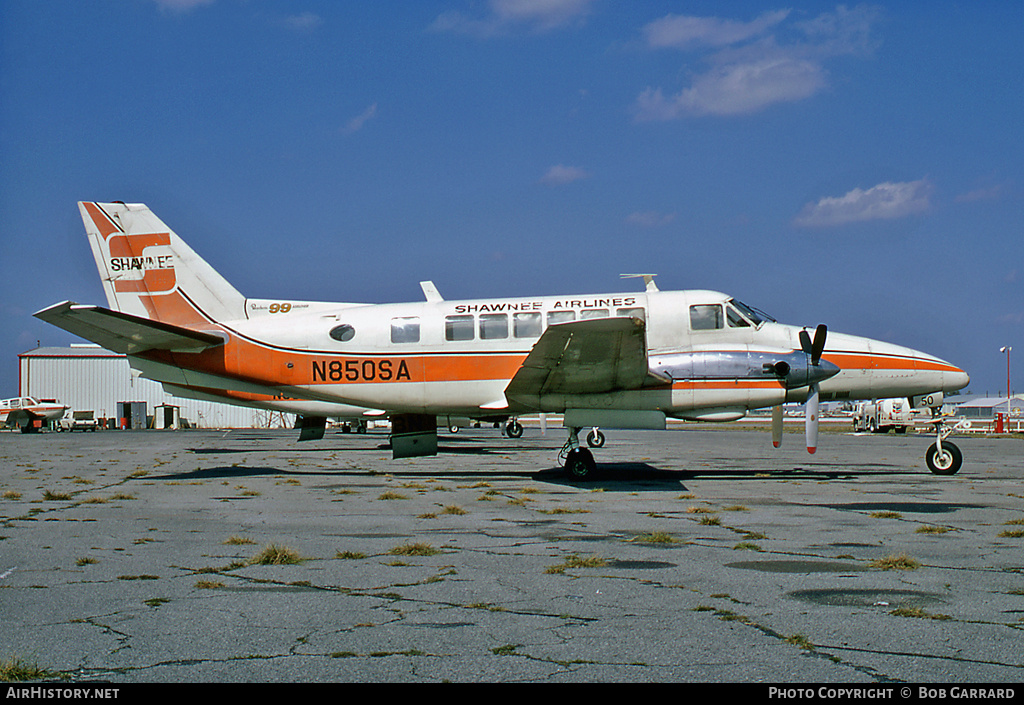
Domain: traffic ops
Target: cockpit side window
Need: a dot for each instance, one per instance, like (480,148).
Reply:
(735,319)
(706,317)
(751,313)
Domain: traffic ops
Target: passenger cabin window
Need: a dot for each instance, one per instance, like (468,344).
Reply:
(526,325)
(458,328)
(561,316)
(593,313)
(735,319)
(493,326)
(706,317)
(343,333)
(405,330)
(631,312)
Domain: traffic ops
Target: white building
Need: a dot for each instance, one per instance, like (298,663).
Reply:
(90,378)
(988,407)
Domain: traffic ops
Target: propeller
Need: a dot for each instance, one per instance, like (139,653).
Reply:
(813,348)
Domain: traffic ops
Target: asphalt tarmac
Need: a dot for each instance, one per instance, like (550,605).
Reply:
(698,554)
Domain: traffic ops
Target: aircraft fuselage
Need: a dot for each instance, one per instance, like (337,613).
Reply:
(457,357)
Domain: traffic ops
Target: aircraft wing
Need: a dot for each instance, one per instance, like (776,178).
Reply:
(125,333)
(585,357)
(16,417)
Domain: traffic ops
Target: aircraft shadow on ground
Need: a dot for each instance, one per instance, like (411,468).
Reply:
(619,476)
(442,449)
(225,472)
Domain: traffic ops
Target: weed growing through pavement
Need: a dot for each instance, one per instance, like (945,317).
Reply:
(898,562)
(276,555)
(576,561)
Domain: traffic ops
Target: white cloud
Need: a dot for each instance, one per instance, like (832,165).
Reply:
(181,5)
(751,65)
(304,21)
(504,16)
(682,32)
(882,202)
(650,219)
(982,194)
(355,124)
(561,174)
(735,89)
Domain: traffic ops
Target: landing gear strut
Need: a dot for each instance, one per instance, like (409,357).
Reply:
(513,429)
(942,456)
(578,462)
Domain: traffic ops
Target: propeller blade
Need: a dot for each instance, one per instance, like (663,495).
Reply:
(805,342)
(819,343)
(811,419)
(777,426)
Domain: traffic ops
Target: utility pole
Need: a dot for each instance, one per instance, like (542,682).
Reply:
(1006,349)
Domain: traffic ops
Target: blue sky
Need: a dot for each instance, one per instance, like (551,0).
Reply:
(857,165)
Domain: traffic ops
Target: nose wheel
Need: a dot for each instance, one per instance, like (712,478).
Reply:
(942,456)
(945,459)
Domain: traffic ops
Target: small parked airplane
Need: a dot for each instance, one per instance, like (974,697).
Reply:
(628,360)
(29,413)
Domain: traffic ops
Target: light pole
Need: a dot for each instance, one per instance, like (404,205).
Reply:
(1006,349)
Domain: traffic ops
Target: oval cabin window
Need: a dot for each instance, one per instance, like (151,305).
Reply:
(343,332)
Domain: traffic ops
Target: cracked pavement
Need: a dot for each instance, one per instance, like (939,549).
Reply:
(700,554)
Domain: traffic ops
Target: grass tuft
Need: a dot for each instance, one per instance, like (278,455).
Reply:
(14,669)
(414,549)
(576,561)
(655,537)
(899,562)
(276,555)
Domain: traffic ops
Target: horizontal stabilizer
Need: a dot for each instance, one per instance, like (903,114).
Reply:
(125,333)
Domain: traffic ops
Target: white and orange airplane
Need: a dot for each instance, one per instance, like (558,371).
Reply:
(29,413)
(627,360)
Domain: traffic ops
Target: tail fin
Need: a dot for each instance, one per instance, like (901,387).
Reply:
(148,271)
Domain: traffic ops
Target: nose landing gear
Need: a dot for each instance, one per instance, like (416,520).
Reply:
(942,456)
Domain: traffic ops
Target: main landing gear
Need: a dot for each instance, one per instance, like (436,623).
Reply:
(577,461)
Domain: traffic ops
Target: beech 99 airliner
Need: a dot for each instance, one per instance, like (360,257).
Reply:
(627,360)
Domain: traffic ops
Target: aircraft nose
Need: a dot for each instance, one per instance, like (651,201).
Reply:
(951,381)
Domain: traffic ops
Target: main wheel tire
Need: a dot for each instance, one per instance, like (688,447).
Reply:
(579,464)
(595,439)
(947,462)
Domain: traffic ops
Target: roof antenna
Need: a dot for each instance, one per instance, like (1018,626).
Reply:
(648,280)
(430,292)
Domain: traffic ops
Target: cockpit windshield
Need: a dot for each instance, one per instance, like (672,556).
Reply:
(756,316)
